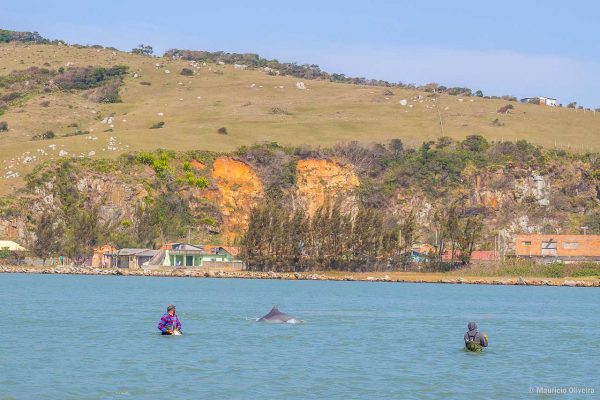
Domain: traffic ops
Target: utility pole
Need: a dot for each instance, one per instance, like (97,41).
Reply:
(437,106)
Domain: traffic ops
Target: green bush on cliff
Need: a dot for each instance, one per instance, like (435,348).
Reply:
(159,161)
(199,182)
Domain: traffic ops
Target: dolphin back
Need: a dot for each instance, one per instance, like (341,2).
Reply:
(277,317)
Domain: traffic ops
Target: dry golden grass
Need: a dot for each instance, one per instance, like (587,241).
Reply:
(241,100)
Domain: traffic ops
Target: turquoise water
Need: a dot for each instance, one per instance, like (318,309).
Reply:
(92,337)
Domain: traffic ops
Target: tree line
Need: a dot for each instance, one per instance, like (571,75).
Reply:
(281,238)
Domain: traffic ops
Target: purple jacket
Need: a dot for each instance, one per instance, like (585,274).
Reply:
(170,322)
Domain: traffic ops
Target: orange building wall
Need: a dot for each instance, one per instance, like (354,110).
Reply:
(589,245)
(99,259)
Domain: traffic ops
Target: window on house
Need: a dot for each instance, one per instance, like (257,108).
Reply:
(571,245)
(527,243)
(549,248)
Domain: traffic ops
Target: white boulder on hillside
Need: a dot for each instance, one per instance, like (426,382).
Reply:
(300,85)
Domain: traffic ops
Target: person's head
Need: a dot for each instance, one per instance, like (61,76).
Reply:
(472,326)
(171,309)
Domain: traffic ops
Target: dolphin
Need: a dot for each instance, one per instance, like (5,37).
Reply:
(277,317)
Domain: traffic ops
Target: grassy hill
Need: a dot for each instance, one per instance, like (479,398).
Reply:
(253,107)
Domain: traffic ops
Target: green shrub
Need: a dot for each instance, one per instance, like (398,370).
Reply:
(3,126)
(278,111)
(14,36)
(89,77)
(158,125)
(475,143)
(107,93)
(143,50)
(4,253)
(505,109)
(159,162)
(11,96)
(584,269)
(104,166)
(208,221)
(199,182)
(554,270)
(44,136)
(76,133)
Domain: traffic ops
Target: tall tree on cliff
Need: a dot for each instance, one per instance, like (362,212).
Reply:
(47,233)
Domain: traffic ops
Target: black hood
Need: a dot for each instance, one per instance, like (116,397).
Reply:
(472,326)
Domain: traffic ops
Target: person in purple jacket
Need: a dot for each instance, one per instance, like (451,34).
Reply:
(169,323)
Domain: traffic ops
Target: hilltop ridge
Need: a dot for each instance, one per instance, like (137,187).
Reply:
(190,104)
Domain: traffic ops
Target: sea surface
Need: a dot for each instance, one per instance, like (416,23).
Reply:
(95,337)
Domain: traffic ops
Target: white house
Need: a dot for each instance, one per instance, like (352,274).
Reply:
(11,246)
(547,101)
(544,101)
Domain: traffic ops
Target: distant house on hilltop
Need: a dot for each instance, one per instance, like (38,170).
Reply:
(547,101)
(541,100)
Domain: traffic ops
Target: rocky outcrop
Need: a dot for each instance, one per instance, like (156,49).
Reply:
(239,190)
(534,186)
(13,229)
(322,181)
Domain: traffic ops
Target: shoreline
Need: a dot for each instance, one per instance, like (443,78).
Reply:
(395,276)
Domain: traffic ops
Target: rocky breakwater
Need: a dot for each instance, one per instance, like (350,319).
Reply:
(201,273)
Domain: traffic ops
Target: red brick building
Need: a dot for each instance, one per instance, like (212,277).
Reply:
(567,247)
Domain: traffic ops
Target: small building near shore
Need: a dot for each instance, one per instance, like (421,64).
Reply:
(104,256)
(133,258)
(424,248)
(417,257)
(559,247)
(221,253)
(184,255)
(11,246)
